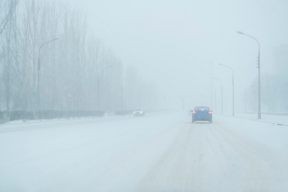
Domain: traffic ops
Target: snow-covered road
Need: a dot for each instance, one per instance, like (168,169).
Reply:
(158,152)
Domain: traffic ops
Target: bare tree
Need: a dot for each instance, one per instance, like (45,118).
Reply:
(77,73)
(12,5)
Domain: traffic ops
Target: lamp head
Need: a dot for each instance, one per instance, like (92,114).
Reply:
(241,33)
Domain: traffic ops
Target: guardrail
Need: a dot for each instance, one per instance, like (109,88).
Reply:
(49,114)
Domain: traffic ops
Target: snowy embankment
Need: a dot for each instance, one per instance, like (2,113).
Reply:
(266,118)
(158,152)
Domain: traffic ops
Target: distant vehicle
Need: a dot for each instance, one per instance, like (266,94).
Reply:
(139,112)
(202,113)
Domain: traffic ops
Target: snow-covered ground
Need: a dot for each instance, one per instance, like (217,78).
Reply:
(265,118)
(158,152)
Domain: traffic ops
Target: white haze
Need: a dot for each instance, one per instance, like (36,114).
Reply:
(177,45)
(67,109)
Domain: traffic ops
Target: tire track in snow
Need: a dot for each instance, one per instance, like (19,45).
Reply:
(249,157)
(181,168)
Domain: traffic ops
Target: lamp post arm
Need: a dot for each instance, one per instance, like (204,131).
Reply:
(101,69)
(258,43)
(254,39)
(218,80)
(47,43)
(41,48)
(38,79)
(228,68)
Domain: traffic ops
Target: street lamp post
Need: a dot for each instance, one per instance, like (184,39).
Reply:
(221,93)
(69,104)
(121,98)
(259,85)
(232,86)
(98,85)
(122,93)
(38,83)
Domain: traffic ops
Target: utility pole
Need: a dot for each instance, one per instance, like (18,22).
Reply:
(245,101)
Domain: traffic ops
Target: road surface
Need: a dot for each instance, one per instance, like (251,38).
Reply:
(158,152)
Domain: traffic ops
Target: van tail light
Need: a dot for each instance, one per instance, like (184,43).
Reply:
(210,112)
(194,112)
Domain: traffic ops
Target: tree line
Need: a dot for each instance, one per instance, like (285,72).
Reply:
(50,61)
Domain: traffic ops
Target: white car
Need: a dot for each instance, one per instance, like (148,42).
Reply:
(138,112)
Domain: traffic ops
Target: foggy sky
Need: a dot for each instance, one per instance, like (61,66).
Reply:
(177,44)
